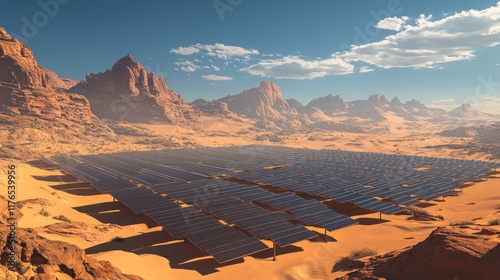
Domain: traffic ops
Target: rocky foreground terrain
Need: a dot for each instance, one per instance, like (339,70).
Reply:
(448,253)
(42,259)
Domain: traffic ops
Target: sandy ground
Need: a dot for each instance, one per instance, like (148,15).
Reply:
(151,253)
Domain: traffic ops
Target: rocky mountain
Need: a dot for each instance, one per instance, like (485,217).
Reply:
(213,108)
(19,69)
(265,104)
(58,83)
(295,104)
(467,111)
(329,104)
(32,111)
(128,92)
(488,134)
(373,108)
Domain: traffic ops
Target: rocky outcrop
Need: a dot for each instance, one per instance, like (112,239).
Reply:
(40,258)
(366,110)
(56,82)
(448,253)
(211,107)
(487,134)
(329,104)
(263,102)
(32,111)
(128,92)
(18,67)
(295,104)
(420,214)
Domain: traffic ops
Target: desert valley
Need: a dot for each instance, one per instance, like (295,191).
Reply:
(76,146)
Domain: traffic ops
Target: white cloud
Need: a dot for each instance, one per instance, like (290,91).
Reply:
(217,50)
(216,78)
(215,68)
(392,23)
(185,50)
(365,69)
(186,66)
(294,67)
(447,100)
(427,43)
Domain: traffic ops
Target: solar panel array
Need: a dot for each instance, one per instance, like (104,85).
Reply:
(223,242)
(258,191)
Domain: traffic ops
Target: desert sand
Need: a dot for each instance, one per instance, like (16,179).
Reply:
(148,251)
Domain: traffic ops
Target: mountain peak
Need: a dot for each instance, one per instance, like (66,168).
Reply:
(414,104)
(396,102)
(126,61)
(263,102)
(133,94)
(378,100)
(21,68)
(4,34)
(270,89)
(464,107)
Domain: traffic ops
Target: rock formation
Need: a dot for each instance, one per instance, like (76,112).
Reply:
(448,253)
(40,258)
(265,104)
(467,111)
(128,92)
(34,112)
(58,83)
(329,104)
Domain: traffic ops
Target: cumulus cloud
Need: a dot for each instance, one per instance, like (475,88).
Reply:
(392,23)
(185,50)
(216,50)
(186,66)
(216,78)
(294,67)
(365,69)
(427,43)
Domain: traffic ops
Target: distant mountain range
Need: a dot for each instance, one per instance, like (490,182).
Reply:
(127,92)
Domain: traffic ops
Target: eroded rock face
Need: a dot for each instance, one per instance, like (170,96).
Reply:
(448,253)
(40,258)
(18,67)
(31,110)
(57,82)
(212,107)
(263,102)
(128,92)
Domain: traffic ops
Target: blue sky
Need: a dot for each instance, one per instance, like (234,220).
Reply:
(443,53)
